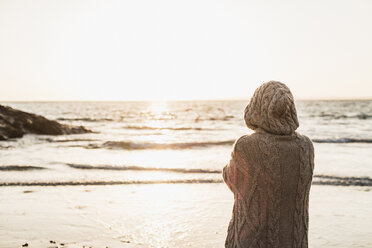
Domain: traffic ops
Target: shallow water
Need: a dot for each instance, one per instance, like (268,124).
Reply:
(181,141)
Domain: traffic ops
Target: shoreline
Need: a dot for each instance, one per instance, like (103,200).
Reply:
(325,180)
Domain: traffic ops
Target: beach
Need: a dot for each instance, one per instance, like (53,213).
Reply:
(120,121)
(149,175)
(163,215)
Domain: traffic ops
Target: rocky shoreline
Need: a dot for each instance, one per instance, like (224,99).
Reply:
(16,123)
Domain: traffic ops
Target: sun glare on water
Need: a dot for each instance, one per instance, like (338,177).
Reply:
(158,107)
(161,118)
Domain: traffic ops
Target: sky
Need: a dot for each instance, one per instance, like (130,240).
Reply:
(64,50)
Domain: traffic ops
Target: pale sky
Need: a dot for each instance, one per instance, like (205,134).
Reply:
(194,49)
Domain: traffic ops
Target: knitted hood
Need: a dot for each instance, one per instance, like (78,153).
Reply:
(272,109)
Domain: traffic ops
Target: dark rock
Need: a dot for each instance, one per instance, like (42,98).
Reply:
(15,123)
(25,245)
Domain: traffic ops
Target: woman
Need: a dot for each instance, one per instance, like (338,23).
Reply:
(270,174)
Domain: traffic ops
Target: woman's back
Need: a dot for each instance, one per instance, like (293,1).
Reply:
(270,175)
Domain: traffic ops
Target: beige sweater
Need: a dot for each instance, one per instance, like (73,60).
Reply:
(270,174)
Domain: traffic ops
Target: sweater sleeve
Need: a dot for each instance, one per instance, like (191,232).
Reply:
(234,172)
(230,174)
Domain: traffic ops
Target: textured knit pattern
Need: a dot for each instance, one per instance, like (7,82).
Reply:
(272,109)
(270,174)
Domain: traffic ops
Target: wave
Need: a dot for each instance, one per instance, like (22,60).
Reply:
(20,168)
(224,118)
(66,140)
(319,180)
(6,147)
(85,119)
(342,140)
(128,145)
(342,181)
(86,183)
(140,168)
(131,145)
(166,128)
(361,116)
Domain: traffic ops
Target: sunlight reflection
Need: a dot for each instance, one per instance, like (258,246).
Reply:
(164,158)
(161,118)
(162,203)
(159,114)
(158,108)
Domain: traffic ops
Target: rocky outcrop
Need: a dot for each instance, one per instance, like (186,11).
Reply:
(15,123)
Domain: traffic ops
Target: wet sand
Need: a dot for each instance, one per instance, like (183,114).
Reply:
(162,215)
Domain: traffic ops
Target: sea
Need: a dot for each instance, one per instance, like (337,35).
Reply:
(176,142)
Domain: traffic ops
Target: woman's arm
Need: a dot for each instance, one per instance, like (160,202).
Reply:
(235,173)
(230,174)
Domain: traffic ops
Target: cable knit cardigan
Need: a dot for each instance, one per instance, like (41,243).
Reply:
(270,174)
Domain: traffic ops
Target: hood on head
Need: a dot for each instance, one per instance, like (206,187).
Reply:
(272,109)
